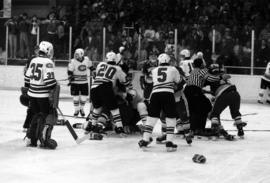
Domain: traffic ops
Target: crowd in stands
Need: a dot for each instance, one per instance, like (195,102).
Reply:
(23,32)
(156,21)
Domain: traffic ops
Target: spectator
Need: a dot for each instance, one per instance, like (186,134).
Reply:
(263,54)
(12,36)
(23,27)
(33,33)
(265,33)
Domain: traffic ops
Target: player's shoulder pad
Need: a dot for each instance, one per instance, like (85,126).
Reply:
(86,58)
(49,64)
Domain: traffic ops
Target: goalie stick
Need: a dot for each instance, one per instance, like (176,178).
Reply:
(71,130)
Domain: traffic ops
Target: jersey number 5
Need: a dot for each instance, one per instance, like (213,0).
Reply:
(36,71)
(162,75)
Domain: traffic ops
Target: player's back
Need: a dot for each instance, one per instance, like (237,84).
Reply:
(164,78)
(106,72)
(187,66)
(41,77)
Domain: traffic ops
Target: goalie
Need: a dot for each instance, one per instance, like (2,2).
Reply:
(40,79)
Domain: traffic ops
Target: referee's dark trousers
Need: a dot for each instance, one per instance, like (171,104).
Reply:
(199,107)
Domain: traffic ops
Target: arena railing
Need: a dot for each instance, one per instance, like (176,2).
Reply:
(102,46)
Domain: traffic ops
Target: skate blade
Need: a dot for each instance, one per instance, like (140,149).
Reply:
(171,149)
(241,137)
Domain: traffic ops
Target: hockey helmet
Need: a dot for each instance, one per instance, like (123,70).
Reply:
(214,69)
(163,58)
(79,54)
(110,57)
(199,54)
(121,49)
(46,48)
(185,53)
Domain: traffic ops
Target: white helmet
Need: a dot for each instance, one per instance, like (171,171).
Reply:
(47,48)
(79,54)
(163,58)
(110,57)
(121,49)
(199,54)
(185,53)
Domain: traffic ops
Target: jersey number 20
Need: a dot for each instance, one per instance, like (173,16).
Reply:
(107,72)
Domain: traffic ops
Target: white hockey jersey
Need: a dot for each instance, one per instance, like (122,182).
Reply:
(165,78)
(79,70)
(108,73)
(187,66)
(40,77)
(266,75)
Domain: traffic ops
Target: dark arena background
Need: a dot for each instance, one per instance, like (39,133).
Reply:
(232,33)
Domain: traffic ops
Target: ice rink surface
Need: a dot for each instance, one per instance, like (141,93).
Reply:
(119,160)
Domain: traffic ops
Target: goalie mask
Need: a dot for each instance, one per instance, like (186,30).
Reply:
(46,48)
(79,54)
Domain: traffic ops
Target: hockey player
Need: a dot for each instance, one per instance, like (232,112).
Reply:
(102,93)
(226,95)
(77,74)
(146,81)
(162,99)
(186,63)
(182,120)
(40,79)
(265,85)
(24,98)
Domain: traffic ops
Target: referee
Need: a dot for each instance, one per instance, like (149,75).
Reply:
(199,104)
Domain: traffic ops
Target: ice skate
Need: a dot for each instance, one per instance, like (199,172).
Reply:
(49,144)
(239,127)
(259,101)
(82,112)
(161,139)
(143,144)
(226,135)
(120,131)
(96,136)
(89,127)
(240,132)
(76,113)
(171,147)
(29,142)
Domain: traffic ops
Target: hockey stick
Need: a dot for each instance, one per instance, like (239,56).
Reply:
(252,130)
(72,132)
(248,114)
(69,116)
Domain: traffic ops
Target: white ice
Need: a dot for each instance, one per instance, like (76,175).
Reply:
(117,160)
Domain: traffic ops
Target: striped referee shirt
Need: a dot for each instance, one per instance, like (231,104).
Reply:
(199,76)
